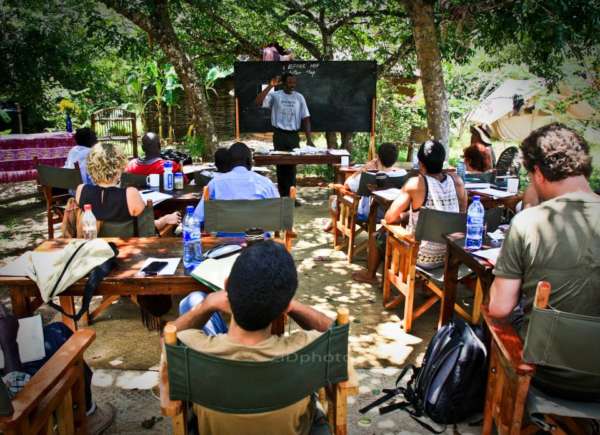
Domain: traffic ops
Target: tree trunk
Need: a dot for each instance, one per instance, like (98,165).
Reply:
(430,63)
(159,28)
(169,43)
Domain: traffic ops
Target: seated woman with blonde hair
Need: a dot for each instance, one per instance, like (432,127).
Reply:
(110,202)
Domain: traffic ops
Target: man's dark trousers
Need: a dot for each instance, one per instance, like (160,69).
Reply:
(284,140)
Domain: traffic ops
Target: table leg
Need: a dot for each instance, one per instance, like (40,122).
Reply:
(67,303)
(450,284)
(20,303)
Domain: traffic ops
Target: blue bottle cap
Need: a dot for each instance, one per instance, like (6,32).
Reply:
(168,164)
(476,197)
(189,209)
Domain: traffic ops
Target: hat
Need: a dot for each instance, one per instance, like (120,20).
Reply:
(483,132)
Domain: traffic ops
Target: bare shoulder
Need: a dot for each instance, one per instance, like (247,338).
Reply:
(413,184)
(78,192)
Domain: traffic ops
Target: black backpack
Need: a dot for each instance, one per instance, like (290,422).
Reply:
(450,385)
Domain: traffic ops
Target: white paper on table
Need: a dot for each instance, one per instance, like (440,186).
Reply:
(470,186)
(338,152)
(169,269)
(389,194)
(30,339)
(18,267)
(494,192)
(155,196)
(345,161)
(488,254)
(496,235)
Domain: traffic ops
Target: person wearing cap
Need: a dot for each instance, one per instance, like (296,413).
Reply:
(479,156)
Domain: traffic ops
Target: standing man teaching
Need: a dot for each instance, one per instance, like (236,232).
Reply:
(288,113)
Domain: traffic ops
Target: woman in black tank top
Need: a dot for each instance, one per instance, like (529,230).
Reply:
(109,202)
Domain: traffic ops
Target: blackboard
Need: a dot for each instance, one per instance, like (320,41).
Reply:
(338,94)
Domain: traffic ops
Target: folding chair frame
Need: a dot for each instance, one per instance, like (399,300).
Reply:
(346,224)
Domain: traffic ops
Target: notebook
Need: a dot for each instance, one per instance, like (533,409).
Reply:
(213,273)
(30,339)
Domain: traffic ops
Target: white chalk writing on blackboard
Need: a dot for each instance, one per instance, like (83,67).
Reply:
(303,68)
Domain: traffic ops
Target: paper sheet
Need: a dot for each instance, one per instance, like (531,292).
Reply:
(169,269)
(340,152)
(470,186)
(18,267)
(155,196)
(389,194)
(489,254)
(213,272)
(494,192)
(30,339)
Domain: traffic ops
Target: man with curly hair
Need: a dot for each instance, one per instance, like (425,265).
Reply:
(556,241)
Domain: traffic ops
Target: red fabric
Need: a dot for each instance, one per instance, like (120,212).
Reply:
(18,150)
(135,167)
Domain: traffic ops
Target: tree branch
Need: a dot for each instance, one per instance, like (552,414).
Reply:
(363,14)
(137,18)
(293,5)
(308,45)
(389,63)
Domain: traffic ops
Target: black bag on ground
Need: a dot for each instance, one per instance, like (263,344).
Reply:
(450,385)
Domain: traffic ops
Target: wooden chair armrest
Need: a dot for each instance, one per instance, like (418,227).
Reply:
(509,343)
(399,232)
(168,230)
(50,373)
(351,385)
(168,407)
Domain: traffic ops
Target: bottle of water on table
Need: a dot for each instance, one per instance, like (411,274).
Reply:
(88,223)
(475,225)
(168,178)
(192,241)
(460,169)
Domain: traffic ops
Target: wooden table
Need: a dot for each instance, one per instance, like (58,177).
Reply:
(455,255)
(189,195)
(490,201)
(122,281)
(290,159)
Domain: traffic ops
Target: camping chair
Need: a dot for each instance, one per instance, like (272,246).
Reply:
(346,225)
(244,387)
(201,179)
(238,215)
(554,339)
(133,180)
(508,162)
(49,177)
(53,401)
(401,270)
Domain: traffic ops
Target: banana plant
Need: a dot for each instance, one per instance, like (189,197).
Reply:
(171,82)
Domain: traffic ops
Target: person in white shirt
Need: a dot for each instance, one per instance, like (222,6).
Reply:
(85,139)
(289,112)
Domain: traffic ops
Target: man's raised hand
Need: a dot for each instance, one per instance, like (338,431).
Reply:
(275,81)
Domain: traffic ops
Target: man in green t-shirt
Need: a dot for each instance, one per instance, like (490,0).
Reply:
(557,241)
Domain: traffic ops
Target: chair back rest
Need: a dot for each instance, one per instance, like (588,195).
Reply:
(370,179)
(63,178)
(133,180)
(140,226)
(493,218)
(508,161)
(433,224)
(201,179)
(248,387)
(238,215)
(563,340)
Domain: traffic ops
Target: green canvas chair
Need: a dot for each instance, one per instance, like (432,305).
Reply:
(238,215)
(554,339)
(133,180)
(140,226)
(49,179)
(248,387)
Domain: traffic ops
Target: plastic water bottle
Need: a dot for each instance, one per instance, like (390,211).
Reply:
(415,160)
(475,225)
(192,241)
(168,176)
(460,169)
(88,223)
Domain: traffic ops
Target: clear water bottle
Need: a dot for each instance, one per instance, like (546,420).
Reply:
(460,169)
(415,159)
(192,241)
(88,223)
(475,225)
(168,178)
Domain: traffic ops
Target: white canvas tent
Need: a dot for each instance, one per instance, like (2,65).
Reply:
(497,111)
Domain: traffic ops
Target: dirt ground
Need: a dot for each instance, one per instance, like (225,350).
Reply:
(125,355)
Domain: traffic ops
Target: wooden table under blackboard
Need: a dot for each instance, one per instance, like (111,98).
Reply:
(290,159)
